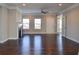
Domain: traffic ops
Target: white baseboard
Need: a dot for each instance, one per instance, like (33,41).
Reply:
(78,52)
(3,41)
(12,38)
(72,39)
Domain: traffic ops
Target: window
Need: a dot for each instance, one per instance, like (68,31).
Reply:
(25,23)
(37,23)
(59,23)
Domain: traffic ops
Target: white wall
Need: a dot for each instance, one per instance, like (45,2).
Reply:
(9,19)
(72,24)
(3,24)
(50,24)
(0,26)
(32,30)
(13,25)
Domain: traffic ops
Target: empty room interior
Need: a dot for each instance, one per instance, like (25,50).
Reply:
(39,28)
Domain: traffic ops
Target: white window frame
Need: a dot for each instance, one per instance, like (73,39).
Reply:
(37,23)
(25,24)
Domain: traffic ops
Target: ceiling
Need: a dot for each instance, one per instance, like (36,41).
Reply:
(37,7)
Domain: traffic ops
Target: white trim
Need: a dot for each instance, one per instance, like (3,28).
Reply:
(12,38)
(3,41)
(38,14)
(40,33)
(71,7)
(4,5)
(72,39)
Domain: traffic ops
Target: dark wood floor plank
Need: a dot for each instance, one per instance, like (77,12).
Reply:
(42,44)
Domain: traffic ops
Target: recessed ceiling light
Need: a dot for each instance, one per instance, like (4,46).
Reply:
(60,4)
(24,4)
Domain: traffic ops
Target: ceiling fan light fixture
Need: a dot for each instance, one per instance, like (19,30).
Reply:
(44,11)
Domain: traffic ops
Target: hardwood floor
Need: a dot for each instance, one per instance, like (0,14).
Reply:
(42,44)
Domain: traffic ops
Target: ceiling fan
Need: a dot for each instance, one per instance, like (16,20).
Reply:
(44,11)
